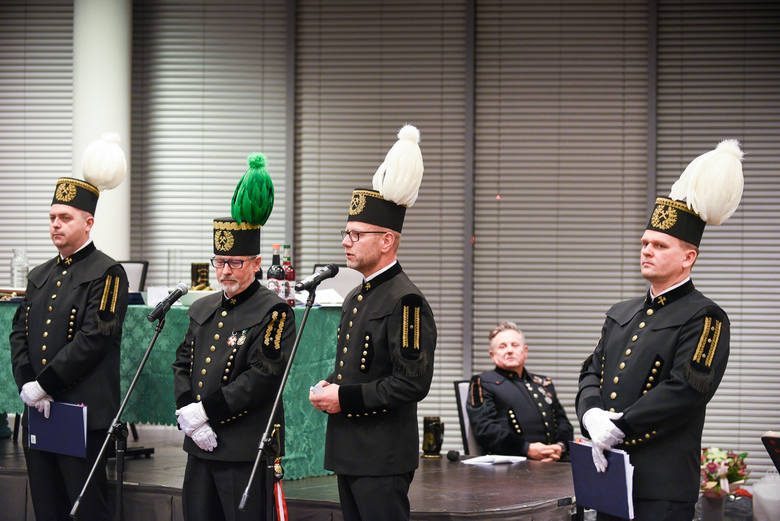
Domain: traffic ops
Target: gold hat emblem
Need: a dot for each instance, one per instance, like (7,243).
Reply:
(65,192)
(357,204)
(223,240)
(663,217)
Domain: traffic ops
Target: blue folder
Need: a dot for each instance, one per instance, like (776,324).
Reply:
(64,432)
(609,492)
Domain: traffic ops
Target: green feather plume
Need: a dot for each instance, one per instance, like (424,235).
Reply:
(253,199)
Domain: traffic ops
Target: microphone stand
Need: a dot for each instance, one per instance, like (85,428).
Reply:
(118,431)
(265,440)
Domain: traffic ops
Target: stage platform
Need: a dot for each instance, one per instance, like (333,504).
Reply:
(441,490)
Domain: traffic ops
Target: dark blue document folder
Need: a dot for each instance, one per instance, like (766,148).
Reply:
(609,492)
(64,432)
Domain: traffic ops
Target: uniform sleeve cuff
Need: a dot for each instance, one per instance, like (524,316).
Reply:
(184,399)
(351,398)
(26,373)
(621,424)
(216,406)
(50,382)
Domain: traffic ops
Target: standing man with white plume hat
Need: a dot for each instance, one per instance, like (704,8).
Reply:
(386,342)
(661,357)
(66,337)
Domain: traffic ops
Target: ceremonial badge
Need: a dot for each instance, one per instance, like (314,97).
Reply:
(242,338)
(232,340)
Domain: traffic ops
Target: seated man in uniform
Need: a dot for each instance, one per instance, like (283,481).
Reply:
(513,411)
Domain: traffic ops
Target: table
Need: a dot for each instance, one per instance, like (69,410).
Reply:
(153,402)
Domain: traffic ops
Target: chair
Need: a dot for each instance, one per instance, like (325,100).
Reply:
(470,445)
(136,274)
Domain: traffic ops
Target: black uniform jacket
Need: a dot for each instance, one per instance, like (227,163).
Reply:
(659,362)
(508,413)
(232,360)
(68,329)
(384,366)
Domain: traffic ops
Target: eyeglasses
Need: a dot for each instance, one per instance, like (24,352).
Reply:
(354,235)
(235,264)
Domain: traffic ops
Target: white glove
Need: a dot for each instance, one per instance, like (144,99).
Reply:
(44,406)
(205,437)
(32,392)
(191,416)
(603,432)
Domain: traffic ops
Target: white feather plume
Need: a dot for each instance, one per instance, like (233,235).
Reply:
(398,178)
(712,183)
(104,163)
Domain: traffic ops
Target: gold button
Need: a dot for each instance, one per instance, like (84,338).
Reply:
(622,365)
(365,345)
(344,350)
(197,397)
(613,395)
(544,413)
(360,298)
(202,371)
(338,377)
(212,349)
(70,323)
(354,311)
(224,313)
(628,351)
(50,308)
(227,371)
(70,331)
(658,364)
(650,378)
(64,272)
(539,404)
(200,384)
(230,357)
(216,336)
(234,350)
(220,324)
(43,361)
(224,378)
(350,323)
(362,360)
(43,348)
(73,310)
(362,368)
(349,415)
(647,436)
(615,380)
(601,381)
(648,385)
(633,338)
(347,336)
(341,363)
(59,283)
(654,371)
(208,359)
(365,353)
(229,364)
(54,296)
(367,338)
(611,409)
(641,325)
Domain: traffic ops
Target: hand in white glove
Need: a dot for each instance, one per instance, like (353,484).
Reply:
(44,406)
(205,437)
(191,416)
(602,430)
(32,392)
(599,459)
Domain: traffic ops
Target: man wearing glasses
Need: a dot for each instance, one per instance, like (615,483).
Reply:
(384,359)
(513,411)
(226,375)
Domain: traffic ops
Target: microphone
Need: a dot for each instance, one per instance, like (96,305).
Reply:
(313,280)
(165,304)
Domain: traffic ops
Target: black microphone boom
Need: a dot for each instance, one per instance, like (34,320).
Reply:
(313,280)
(165,304)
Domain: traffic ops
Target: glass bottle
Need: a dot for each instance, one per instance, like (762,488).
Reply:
(19,267)
(289,275)
(275,274)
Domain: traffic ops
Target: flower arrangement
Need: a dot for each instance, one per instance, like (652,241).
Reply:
(721,471)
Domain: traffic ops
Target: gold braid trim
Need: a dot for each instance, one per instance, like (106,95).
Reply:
(417,328)
(702,340)
(278,338)
(714,344)
(405,330)
(269,329)
(80,183)
(232,225)
(106,289)
(116,293)
(665,201)
(375,195)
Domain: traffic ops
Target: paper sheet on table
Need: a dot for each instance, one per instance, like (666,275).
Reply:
(323,297)
(493,459)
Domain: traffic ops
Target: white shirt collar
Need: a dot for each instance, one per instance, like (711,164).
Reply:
(667,290)
(89,241)
(377,273)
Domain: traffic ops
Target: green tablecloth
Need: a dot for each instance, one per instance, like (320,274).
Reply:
(152,401)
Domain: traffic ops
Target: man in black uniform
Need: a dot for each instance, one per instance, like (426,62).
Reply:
(227,372)
(65,346)
(661,357)
(513,411)
(384,362)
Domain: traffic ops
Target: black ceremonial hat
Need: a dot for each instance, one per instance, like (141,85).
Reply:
(76,193)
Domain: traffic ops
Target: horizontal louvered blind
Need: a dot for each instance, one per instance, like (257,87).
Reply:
(208,91)
(363,71)
(36,93)
(719,78)
(561,101)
